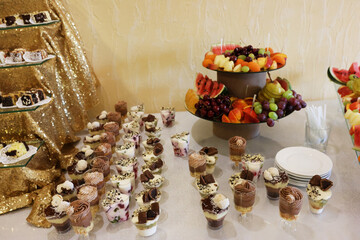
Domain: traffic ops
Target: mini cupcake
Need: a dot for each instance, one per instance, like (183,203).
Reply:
(206,185)
(133,137)
(145,219)
(238,177)
(77,170)
(95,128)
(125,182)
(103,165)
(147,197)
(274,181)
(92,141)
(116,206)
(132,126)
(150,121)
(125,151)
(80,217)
(237,146)
(152,132)
(114,117)
(150,180)
(56,214)
(167,116)
(89,194)
(211,157)
(108,137)
(215,208)
(253,163)
(95,177)
(66,190)
(104,150)
(114,128)
(127,165)
(86,153)
(318,191)
(180,143)
(102,118)
(197,164)
(154,167)
(153,155)
(150,143)
(121,107)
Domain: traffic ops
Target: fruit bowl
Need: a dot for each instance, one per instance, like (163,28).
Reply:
(246,73)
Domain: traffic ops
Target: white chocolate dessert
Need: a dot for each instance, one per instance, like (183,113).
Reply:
(318,191)
(124,182)
(132,126)
(167,116)
(253,163)
(153,155)
(150,180)
(127,165)
(145,219)
(125,151)
(147,197)
(206,185)
(180,143)
(116,206)
(17,149)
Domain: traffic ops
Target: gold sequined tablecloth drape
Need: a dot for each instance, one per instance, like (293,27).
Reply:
(71,82)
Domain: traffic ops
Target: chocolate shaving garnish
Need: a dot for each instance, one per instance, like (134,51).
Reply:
(247,175)
(142,217)
(155,207)
(210,151)
(209,179)
(149,118)
(159,163)
(11,153)
(152,141)
(151,215)
(325,184)
(143,178)
(148,174)
(152,193)
(158,149)
(146,197)
(202,180)
(315,180)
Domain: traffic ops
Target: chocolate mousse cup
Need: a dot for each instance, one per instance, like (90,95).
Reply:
(80,217)
(274,184)
(237,146)
(290,203)
(215,208)
(60,221)
(244,196)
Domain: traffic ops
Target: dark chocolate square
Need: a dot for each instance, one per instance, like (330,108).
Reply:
(26,100)
(155,207)
(142,217)
(40,17)
(26,18)
(10,20)
(209,178)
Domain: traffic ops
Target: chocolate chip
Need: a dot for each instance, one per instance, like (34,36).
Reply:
(143,178)
(202,180)
(315,180)
(247,175)
(155,207)
(153,193)
(158,149)
(151,215)
(209,178)
(148,174)
(142,217)
(146,197)
(325,184)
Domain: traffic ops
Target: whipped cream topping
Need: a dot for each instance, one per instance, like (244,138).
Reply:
(81,165)
(131,126)
(315,193)
(221,201)
(87,193)
(114,196)
(67,185)
(184,136)
(91,139)
(102,115)
(59,204)
(87,150)
(93,125)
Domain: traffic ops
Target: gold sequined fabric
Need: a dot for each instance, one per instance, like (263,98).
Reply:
(71,82)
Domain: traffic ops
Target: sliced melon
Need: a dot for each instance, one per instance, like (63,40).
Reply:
(334,75)
(219,49)
(205,86)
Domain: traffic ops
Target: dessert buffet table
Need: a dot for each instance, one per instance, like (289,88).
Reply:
(182,216)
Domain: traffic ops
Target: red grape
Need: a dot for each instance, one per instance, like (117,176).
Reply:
(281,105)
(210,114)
(270,122)
(303,103)
(298,107)
(280,113)
(262,117)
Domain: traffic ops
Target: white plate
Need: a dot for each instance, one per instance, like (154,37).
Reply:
(300,176)
(303,162)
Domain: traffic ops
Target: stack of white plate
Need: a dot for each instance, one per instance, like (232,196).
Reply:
(302,163)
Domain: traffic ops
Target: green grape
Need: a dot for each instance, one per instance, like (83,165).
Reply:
(267,53)
(273,115)
(261,51)
(349,84)
(287,94)
(242,57)
(272,100)
(273,107)
(353,77)
(258,109)
(252,56)
(245,68)
(257,104)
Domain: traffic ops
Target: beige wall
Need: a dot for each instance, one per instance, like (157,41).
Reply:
(149,51)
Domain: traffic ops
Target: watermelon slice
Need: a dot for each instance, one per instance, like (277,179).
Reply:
(338,76)
(205,86)
(344,91)
(219,49)
(356,136)
(354,69)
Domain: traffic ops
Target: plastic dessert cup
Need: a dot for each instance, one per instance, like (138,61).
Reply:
(56,214)
(80,217)
(89,194)
(274,181)
(116,206)
(237,146)
(215,208)
(290,202)
(180,143)
(145,219)
(127,165)
(253,163)
(244,197)
(167,116)
(124,182)
(318,191)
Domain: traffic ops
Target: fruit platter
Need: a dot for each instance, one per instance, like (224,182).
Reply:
(349,92)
